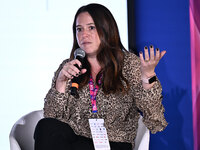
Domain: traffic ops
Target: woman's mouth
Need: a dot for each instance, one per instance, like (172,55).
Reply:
(85,43)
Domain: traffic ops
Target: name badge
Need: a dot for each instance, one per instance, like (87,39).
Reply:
(99,134)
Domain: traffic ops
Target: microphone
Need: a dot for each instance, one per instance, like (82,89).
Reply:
(80,55)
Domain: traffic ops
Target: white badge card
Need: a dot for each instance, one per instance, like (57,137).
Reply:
(99,134)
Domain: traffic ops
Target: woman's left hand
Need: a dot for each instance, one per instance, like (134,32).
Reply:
(149,63)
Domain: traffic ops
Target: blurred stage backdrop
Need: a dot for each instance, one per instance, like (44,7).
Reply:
(174,26)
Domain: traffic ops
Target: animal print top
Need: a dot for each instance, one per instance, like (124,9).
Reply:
(120,112)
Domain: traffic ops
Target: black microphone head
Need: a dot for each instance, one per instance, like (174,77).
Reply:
(79,53)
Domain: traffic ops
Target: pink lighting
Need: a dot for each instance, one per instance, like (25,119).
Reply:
(195,66)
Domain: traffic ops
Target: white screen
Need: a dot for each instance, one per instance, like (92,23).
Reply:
(35,36)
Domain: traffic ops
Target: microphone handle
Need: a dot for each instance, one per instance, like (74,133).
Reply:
(75,85)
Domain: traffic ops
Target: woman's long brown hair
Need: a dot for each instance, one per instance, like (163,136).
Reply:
(110,53)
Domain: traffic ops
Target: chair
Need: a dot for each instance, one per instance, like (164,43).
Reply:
(142,137)
(21,135)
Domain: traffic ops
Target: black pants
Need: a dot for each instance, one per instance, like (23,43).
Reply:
(52,134)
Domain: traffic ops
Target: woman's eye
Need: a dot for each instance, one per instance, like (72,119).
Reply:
(78,29)
(92,27)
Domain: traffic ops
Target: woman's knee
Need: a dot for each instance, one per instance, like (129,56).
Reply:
(44,125)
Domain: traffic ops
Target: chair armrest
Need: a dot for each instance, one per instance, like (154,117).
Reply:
(14,144)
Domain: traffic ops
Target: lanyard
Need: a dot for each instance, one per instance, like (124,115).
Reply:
(93,93)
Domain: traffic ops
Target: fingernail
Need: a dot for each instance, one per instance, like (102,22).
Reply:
(140,52)
(77,74)
(80,66)
(157,49)
(151,46)
(145,47)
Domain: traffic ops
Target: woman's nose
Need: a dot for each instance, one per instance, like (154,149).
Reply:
(85,33)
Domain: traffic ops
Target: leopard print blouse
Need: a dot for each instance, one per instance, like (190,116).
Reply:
(120,112)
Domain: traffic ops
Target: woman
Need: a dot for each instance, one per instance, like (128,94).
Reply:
(115,85)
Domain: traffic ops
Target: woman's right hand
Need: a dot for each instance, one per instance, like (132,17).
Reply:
(68,71)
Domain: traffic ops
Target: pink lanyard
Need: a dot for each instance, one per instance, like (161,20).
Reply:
(93,93)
